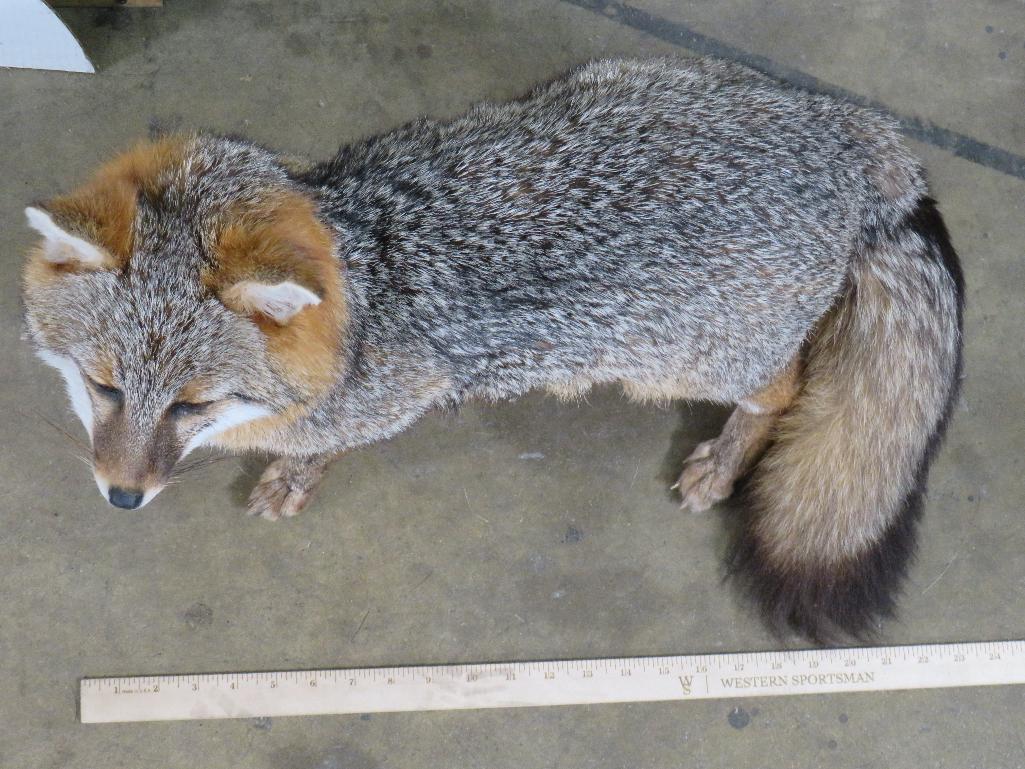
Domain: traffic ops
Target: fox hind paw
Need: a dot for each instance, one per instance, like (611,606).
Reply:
(705,479)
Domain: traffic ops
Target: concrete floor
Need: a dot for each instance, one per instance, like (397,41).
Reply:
(529,530)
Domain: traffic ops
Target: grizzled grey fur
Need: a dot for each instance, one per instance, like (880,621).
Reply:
(642,221)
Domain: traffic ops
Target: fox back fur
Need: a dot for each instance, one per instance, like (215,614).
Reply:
(688,228)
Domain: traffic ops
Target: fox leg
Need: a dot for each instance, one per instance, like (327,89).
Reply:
(714,466)
(287,485)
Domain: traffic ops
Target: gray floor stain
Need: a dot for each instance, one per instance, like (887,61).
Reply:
(572,535)
(738,718)
(198,615)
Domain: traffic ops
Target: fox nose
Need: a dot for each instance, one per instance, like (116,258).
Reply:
(129,500)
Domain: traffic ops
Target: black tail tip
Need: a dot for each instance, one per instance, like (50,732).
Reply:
(847,602)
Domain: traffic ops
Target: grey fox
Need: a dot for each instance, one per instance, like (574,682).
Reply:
(688,228)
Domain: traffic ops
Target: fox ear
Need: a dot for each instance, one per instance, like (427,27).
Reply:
(60,246)
(278,301)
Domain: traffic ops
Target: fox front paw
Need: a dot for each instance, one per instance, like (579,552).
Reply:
(706,478)
(284,488)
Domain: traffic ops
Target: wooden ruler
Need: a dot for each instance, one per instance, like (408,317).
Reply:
(535,684)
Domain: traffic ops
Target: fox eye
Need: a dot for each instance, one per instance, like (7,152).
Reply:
(186,409)
(111,393)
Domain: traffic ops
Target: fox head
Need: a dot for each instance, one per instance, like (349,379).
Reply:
(189,295)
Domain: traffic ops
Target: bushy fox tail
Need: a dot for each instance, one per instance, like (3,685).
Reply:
(833,505)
